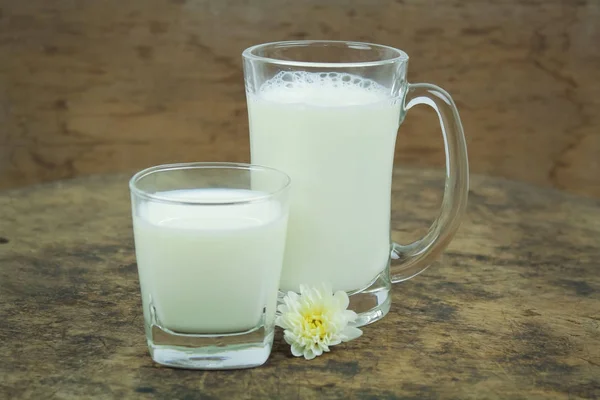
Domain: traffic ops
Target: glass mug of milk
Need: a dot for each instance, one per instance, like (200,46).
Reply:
(327,113)
(209,242)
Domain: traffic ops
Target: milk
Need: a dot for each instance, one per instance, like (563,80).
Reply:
(334,135)
(209,269)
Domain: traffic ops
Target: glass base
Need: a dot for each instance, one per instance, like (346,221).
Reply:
(370,303)
(373,302)
(209,351)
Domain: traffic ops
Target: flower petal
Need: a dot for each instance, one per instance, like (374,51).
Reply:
(303,290)
(289,337)
(309,354)
(297,350)
(317,350)
(350,333)
(335,340)
(350,315)
(342,299)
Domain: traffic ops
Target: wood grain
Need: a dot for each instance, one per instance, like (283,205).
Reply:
(105,86)
(511,312)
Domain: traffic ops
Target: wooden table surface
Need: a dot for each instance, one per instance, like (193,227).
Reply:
(512,311)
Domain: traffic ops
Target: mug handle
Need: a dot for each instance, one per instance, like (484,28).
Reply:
(412,259)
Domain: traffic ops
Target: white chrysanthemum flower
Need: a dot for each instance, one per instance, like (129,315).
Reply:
(316,319)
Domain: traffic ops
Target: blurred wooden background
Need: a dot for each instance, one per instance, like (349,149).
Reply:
(98,86)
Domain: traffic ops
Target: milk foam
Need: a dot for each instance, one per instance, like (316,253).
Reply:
(322,89)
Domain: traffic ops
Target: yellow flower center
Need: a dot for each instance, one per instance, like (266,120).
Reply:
(314,323)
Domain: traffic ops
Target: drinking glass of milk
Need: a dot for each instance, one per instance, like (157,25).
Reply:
(327,113)
(209,242)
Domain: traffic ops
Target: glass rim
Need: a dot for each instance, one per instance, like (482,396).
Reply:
(207,165)
(400,56)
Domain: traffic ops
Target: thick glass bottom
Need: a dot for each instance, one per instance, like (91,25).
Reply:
(209,351)
(232,356)
(373,302)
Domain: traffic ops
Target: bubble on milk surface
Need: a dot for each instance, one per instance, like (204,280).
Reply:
(303,79)
(323,89)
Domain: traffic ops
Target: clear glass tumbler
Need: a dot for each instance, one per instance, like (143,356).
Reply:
(209,241)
